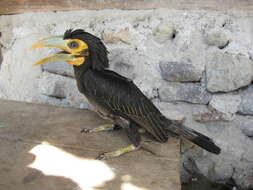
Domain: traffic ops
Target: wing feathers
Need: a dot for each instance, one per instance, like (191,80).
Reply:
(122,97)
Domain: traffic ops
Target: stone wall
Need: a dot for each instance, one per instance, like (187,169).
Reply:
(192,64)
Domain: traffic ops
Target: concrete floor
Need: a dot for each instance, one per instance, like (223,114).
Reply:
(41,148)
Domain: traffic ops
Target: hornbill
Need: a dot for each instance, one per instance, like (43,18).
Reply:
(115,97)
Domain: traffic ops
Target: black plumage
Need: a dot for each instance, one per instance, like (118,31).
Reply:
(118,97)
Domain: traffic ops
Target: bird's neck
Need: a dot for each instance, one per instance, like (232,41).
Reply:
(83,74)
(81,70)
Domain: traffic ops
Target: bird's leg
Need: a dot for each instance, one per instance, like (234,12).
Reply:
(105,127)
(117,153)
(133,135)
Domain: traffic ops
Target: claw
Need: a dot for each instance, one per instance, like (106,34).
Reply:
(116,153)
(101,156)
(85,130)
(107,155)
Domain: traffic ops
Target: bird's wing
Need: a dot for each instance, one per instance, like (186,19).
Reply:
(122,97)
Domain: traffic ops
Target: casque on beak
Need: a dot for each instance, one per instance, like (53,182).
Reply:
(70,55)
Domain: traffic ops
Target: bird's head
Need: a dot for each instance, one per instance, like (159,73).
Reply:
(77,48)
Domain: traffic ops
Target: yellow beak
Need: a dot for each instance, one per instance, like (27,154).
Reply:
(65,56)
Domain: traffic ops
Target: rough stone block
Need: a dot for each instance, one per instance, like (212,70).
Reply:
(59,68)
(217,37)
(163,32)
(179,71)
(61,90)
(246,105)
(168,110)
(247,128)
(227,103)
(190,92)
(221,107)
(54,85)
(227,72)
(212,115)
(123,69)
(114,37)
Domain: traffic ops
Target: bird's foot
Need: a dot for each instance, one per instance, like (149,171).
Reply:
(105,127)
(117,153)
(85,130)
(106,155)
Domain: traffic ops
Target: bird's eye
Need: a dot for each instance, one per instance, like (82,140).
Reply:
(73,45)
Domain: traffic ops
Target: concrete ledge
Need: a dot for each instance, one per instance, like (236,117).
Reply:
(42,148)
(17,6)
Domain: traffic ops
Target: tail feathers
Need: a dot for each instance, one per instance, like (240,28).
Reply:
(206,143)
(199,139)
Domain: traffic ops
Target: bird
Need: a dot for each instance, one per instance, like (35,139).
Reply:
(115,97)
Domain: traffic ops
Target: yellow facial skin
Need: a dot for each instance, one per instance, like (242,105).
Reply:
(74,50)
(80,46)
